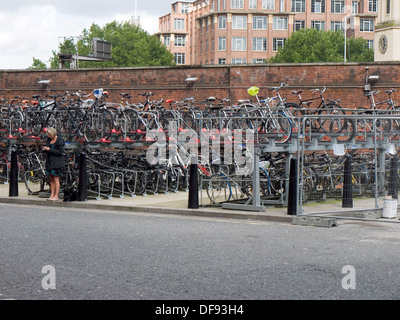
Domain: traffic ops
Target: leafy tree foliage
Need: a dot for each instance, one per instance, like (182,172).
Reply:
(38,64)
(131,46)
(311,45)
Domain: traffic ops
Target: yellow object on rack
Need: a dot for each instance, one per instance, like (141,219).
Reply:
(253,90)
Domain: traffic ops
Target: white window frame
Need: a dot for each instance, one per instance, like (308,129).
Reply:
(239,44)
(239,22)
(298,5)
(167,41)
(221,43)
(318,6)
(337,25)
(319,25)
(354,7)
(260,44)
(237,4)
(280,23)
(180,41)
(239,60)
(299,24)
(367,25)
(260,23)
(258,61)
(222,22)
(337,6)
(268,4)
(278,43)
(179,58)
(373,5)
(179,24)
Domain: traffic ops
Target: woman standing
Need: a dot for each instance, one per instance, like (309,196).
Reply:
(55,161)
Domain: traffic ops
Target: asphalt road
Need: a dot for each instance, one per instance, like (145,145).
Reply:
(66,254)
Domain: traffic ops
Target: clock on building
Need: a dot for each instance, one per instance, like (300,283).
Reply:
(383,44)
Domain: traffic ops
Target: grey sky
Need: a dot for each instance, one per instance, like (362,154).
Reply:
(32,28)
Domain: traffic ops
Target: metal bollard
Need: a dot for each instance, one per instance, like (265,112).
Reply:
(293,189)
(347,197)
(13,189)
(83,178)
(193,187)
(394,178)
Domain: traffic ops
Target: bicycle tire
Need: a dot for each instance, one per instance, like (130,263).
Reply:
(34,181)
(282,127)
(218,189)
(330,124)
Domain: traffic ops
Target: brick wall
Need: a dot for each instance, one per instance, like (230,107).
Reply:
(343,81)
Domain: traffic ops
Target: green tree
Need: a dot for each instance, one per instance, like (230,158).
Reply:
(38,64)
(68,46)
(131,46)
(311,45)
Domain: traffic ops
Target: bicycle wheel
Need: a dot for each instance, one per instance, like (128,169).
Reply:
(279,125)
(34,181)
(332,120)
(296,113)
(218,189)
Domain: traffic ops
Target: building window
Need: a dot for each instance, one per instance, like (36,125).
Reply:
(370,44)
(167,41)
(239,43)
(239,61)
(298,5)
(268,4)
(179,58)
(260,22)
(373,5)
(221,43)
(259,44)
(318,6)
(337,26)
(354,7)
(179,24)
(180,41)
(387,6)
(258,61)
(280,23)
(337,6)
(252,4)
(278,43)
(221,61)
(367,25)
(282,6)
(239,22)
(319,25)
(222,22)
(299,24)
(237,4)
(185,8)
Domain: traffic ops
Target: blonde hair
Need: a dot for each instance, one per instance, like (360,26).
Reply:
(51,132)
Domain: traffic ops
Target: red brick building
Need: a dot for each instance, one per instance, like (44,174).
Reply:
(251,31)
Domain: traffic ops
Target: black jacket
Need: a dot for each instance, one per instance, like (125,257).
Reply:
(55,156)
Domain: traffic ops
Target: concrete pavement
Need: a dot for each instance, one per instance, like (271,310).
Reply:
(170,203)
(177,203)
